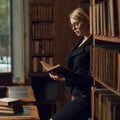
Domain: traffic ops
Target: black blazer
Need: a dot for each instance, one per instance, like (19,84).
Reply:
(78,60)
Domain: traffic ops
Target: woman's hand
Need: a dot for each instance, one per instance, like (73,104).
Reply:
(57,77)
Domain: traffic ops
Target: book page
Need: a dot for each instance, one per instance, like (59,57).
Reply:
(45,65)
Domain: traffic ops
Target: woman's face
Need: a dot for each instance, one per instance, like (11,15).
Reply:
(79,27)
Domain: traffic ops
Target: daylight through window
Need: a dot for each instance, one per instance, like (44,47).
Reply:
(5,36)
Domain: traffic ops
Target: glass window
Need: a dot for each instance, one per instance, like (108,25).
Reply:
(5,36)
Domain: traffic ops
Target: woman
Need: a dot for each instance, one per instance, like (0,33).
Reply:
(78,60)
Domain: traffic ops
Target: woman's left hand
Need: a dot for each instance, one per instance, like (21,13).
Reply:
(57,77)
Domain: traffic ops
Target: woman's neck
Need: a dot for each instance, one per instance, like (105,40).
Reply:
(84,40)
(86,37)
(86,33)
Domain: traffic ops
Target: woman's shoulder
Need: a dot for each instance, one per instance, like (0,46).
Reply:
(90,40)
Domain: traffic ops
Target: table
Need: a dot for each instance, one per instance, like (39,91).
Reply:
(29,113)
(24,93)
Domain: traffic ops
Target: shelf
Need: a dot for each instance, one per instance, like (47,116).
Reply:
(42,38)
(38,74)
(107,39)
(42,55)
(43,21)
(42,3)
(106,86)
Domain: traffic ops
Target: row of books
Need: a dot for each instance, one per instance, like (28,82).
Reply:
(105,17)
(37,67)
(42,30)
(42,47)
(105,105)
(42,12)
(105,65)
(10,106)
(42,33)
(41,1)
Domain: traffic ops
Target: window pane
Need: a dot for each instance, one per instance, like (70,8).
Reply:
(5,36)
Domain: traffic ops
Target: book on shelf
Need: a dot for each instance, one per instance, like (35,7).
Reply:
(104,71)
(118,8)
(94,20)
(105,103)
(58,69)
(105,18)
(91,19)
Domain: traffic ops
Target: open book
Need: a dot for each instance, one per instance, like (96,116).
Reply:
(58,69)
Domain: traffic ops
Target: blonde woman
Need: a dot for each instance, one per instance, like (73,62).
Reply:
(78,60)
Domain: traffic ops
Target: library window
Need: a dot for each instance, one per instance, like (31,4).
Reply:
(5,36)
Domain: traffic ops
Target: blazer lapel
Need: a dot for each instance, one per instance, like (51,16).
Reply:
(76,45)
(76,51)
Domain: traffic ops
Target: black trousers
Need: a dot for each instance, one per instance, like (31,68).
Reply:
(78,109)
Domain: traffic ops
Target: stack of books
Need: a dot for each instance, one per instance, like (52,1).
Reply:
(10,105)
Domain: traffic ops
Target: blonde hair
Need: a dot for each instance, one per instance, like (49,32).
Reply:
(79,14)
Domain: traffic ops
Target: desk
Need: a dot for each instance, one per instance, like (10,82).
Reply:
(24,93)
(29,113)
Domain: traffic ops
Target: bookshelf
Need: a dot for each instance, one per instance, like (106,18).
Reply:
(41,33)
(42,36)
(105,59)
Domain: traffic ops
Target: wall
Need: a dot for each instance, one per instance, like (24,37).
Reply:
(20,38)
(64,36)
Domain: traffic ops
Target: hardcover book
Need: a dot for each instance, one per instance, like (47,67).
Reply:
(11,109)
(9,101)
(58,69)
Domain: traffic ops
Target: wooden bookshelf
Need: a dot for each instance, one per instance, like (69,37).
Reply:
(41,33)
(107,39)
(105,60)
(107,86)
